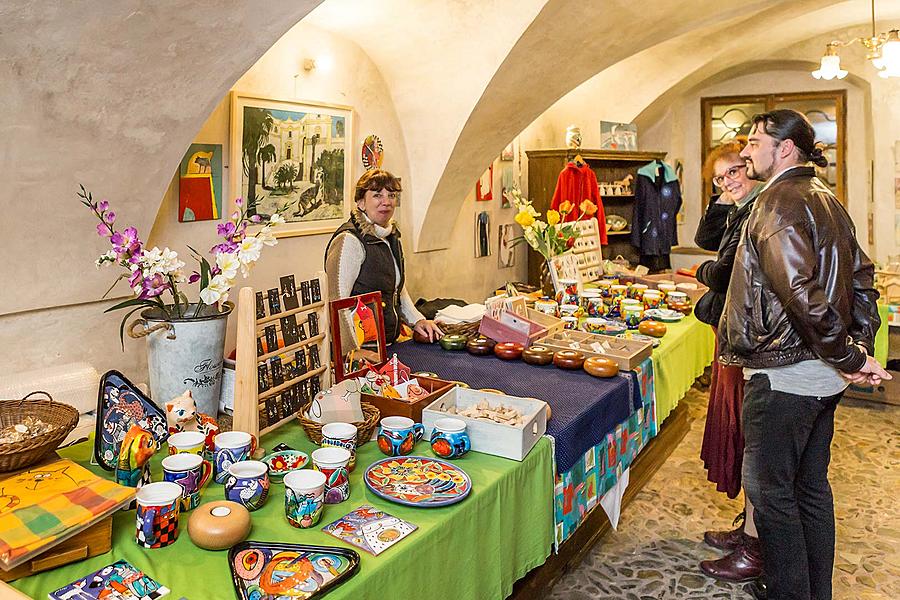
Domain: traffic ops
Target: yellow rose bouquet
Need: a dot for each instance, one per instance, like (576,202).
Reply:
(550,237)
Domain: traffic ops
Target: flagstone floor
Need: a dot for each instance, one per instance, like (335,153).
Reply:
(655,552)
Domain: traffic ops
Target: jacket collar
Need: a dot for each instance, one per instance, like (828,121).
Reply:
(366,227)
(791,172)
(650,170)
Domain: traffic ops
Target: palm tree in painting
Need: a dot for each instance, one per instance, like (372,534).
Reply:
(266,154)
(257,126)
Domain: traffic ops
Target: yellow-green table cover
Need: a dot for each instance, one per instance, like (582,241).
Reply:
(881,338)
(474,549)
(683,353)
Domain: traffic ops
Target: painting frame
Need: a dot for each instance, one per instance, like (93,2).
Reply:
(306,179)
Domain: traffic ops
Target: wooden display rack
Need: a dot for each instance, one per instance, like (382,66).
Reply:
(248,400)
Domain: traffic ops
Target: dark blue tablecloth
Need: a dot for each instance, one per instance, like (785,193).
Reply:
(584,408)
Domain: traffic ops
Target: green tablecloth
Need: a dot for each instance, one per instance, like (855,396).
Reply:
(475,549)
(881,338)
(683,353)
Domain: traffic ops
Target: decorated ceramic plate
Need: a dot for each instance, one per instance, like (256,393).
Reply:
(418,481)
(664,314)
(275,570)
(283,462)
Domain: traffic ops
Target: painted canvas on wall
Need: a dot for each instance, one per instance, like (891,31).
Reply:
(506,185)
(484,187)
(506,251)
(482,234)
(372,153)
(618,136)
(200,183)
(295,154)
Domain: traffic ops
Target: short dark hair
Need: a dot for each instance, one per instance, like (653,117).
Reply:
(786,124)
(375,180)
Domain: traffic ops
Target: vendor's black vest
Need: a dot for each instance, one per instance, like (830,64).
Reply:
(377,273)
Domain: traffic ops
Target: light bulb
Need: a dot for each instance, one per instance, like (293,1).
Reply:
(888,63)
(830,68)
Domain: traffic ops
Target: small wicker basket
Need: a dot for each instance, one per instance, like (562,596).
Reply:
(18,455)
(466,329)
(364,429)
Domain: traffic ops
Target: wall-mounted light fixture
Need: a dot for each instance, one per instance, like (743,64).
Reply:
(883,50)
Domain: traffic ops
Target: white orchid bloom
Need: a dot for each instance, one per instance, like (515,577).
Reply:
(228,264)
(216,290)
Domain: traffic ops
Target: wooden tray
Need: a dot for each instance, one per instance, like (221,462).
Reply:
(549,322)
(627,353)
(404,408)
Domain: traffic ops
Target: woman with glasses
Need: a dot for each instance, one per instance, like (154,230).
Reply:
(365,255)
(723,441)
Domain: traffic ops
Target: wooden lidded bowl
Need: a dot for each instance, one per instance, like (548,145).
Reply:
(509,350)
(600,366)
(568,359)
(537,355)
(454,341)
(480,346)
(652,328)
(219,525)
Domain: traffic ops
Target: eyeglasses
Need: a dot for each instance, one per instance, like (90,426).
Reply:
(731,173)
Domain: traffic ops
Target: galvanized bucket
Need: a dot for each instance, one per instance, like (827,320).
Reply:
(185,354)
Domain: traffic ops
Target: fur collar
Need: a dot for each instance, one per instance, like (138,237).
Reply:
(367,227)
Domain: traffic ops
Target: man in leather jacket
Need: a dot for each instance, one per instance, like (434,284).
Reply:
(801,318)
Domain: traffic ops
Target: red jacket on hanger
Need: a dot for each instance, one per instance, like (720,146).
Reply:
(577,184)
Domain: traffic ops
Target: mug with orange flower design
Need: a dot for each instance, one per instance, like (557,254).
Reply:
(449,438)
(398,435)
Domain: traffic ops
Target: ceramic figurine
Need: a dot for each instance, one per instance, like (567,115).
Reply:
(132,469)
(573,137)
(182,415)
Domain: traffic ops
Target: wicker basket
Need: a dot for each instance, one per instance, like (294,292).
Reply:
(18,455)
(466,329)
(364,429)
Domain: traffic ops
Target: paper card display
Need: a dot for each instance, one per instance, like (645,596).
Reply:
(339,403)
(118,581)
(370,529)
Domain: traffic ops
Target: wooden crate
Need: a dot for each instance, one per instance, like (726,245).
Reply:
(627,353)
(549,322)
(413,409)
(507,441)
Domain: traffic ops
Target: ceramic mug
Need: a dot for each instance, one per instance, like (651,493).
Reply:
(665,288)
(594,325)
(570,322)
(304,497)
(592,303)
(568,293)
(652,299)
(340,435)
(231,447)
(449,438)
(570,310)
(636,291)
(247,483)
(604,286)
(189,471)
(332,462)
(677,297)
(192,442)
(618,290)
(631,314)
(547,306)
(398,435)
(156,517)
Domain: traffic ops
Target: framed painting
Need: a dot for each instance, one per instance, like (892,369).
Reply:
(292,153)
(200,183)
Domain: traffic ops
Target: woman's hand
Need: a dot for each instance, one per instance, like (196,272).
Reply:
(428,329)
(725,198)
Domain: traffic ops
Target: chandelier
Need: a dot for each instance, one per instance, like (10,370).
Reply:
(883,49)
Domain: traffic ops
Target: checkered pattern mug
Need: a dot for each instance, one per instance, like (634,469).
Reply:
(158,505)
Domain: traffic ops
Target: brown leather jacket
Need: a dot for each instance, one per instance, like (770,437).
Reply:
(801,287)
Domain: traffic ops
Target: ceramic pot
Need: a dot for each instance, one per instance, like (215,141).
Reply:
(568,359)
(219,525)
(304,498)
(509,350)
(537,355)
(247,484)
(397,436)
(599,366)
(547,288)
(332,462)
(449,438)
(652,328)
(453,341)
(480,346)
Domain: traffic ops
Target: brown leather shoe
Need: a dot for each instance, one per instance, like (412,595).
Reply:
(724,540)
(742,565)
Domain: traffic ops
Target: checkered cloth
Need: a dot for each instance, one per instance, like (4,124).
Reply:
(46,503)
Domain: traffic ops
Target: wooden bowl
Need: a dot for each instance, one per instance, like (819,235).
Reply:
(568,359)
(600,366)
(219,525)
(480,346)
(509,350)
(685,308)
(537,355)
(652,328)
(453,341)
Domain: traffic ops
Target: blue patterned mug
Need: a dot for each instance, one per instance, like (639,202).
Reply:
(397,436)
(304,497)
(231,447)
(449,438)
(189,471)
(247,483)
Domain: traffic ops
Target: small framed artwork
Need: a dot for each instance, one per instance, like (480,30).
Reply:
(506,252)
(292,153)
(356,322)
(484,187)
(482,234)
(618,136)
(200,183)
(509,152)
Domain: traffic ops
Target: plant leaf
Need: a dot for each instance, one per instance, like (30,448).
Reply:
(122,326)
(204,273)
(131,302)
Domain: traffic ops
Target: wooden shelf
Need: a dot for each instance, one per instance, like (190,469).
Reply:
(597,154)
(617,196)
(280,388)
(623,232)
(261,323)
(291,348)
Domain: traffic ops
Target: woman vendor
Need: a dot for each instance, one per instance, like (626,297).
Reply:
(365,255)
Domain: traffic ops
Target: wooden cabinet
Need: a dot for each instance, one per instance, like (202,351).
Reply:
(544,167)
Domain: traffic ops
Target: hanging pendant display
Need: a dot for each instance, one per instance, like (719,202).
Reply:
(372,153)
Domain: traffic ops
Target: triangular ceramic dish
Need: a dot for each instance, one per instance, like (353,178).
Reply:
(119,405)
(275,570)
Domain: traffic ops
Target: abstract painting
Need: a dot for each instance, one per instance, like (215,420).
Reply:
(288,153)
(618,136)
(200,183)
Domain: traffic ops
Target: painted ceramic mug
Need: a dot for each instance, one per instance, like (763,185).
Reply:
(652,299)
(192,442)
(604,286)
(665,288)
(592,303)
(547,306)
(398,435)
(156,522)
(594,325)
(247,483)
(678,297)
(304,497)
(340,435)
(189,471)
(636,290)
(631,314)
(332,462)
(449,438)
(231,447)
(570,322)
(568,293)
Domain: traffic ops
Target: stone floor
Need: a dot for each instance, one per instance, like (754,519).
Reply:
(654,554)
